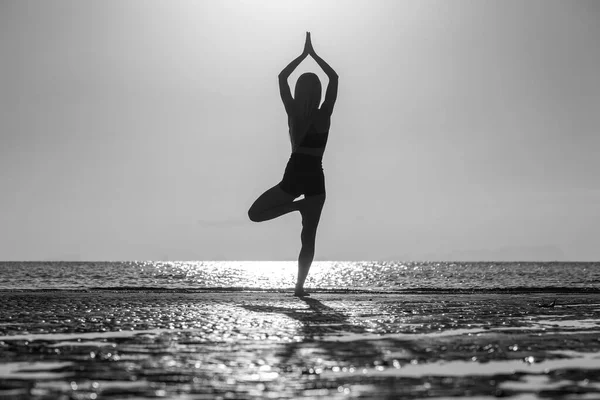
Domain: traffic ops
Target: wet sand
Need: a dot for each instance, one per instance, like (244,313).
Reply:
(243,345)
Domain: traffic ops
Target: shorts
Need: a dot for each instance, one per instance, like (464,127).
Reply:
(303,175)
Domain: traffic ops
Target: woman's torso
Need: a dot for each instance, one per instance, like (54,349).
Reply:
(309,135)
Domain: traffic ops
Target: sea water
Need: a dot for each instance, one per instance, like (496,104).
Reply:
(388,276)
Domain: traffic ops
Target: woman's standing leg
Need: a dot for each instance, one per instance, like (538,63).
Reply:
(311,213)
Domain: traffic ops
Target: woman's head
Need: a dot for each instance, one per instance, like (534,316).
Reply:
(307,94)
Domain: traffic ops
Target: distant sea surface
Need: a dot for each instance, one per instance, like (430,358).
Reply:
(280,275)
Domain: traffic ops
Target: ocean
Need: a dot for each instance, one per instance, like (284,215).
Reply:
(325,276)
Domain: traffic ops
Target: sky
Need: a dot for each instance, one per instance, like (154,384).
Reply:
(144,130)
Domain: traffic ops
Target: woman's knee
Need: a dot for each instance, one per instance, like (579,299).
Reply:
(308,235)
(254,214)
(256,209)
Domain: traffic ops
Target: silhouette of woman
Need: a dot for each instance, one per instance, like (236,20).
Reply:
(308,128)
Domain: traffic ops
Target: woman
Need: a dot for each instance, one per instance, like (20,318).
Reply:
(309,128)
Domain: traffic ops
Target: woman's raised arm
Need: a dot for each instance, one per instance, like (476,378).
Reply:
(332,87)
(284,88)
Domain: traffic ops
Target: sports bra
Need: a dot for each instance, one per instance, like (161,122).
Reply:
(314,139)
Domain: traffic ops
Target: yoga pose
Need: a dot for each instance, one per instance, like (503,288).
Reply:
(308,127)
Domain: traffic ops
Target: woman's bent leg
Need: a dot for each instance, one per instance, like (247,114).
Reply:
(311,213)
(272,204)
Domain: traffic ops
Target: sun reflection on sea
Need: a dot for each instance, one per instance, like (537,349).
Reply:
(250,274)
(260,274)
(387,276)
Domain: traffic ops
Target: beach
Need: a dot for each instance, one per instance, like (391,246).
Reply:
(114,344)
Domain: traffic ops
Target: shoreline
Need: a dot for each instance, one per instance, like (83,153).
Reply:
(270,344)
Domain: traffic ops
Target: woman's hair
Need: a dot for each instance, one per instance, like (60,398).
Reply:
(307,94)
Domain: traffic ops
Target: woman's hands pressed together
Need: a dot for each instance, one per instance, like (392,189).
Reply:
(308,47)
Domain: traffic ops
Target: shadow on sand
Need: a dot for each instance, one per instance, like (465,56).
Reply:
(320,320)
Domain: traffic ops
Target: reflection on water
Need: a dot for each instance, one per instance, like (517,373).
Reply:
(370,275)
(34,370)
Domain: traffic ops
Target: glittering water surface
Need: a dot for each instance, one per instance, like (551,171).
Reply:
(359,275)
